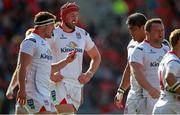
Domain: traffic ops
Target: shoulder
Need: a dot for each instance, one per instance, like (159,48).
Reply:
(30,38)
(132,44)
(141,46)
(82,31)
(171,59)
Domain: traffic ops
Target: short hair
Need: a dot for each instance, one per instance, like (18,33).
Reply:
(149,23)
(136,19)
(174,37)
(44,18)
(29,31)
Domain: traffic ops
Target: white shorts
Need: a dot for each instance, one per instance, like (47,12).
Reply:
(135,105)
(35,103)
(167,105)
(149,104)
(66,93)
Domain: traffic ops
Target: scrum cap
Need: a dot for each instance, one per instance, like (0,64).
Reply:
(68,8)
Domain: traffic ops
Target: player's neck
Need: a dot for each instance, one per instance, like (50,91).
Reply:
(65,28)
(153,43)
(39,33)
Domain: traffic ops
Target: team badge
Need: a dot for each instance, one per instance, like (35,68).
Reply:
(72,45)
(78,35)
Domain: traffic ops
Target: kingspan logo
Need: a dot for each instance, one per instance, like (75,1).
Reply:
(154,64)
(157,62)
(46,55)
(70,47)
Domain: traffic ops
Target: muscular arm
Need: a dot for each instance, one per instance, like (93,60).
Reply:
(95,59)
(12,85)
(94,64)
(13,82)
(55,67)
(137,70)
(125,82)
(171,80)
(25,60)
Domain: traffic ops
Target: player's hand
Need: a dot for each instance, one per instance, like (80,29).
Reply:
(9,93)
(21,97)
(154,93)
(71,56)
(56,77)
(118,99)
(84,78)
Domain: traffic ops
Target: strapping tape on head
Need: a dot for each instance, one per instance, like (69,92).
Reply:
(44,22)
(68,8)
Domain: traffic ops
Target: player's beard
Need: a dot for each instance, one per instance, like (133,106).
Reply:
(70,25)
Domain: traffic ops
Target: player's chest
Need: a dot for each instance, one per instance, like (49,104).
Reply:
(153,57)
(43,51)
(74,39)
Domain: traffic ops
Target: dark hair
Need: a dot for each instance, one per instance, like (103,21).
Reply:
(43,18)
(174,37)
(149,23)
(136,19)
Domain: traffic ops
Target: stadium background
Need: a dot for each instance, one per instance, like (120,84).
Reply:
(104,20)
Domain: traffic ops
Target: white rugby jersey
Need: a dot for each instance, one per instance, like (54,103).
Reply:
(169,64)
(135,87)
(150,58)
(38,72)
(62,43)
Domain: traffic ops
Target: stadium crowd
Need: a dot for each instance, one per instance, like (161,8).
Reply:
(107,28)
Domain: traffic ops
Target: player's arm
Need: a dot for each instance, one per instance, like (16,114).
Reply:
(124,85)
(172,70)
(95,60)
(138,72)
(125,82)
(173,83)
(55,67)
(13,82)
(94,64)
(24,60)
(12,85)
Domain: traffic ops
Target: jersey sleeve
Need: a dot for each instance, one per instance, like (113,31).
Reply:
(28,46)
(89,42)
(173,67)
(137,55)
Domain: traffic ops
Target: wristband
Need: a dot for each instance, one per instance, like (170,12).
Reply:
(121,90)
